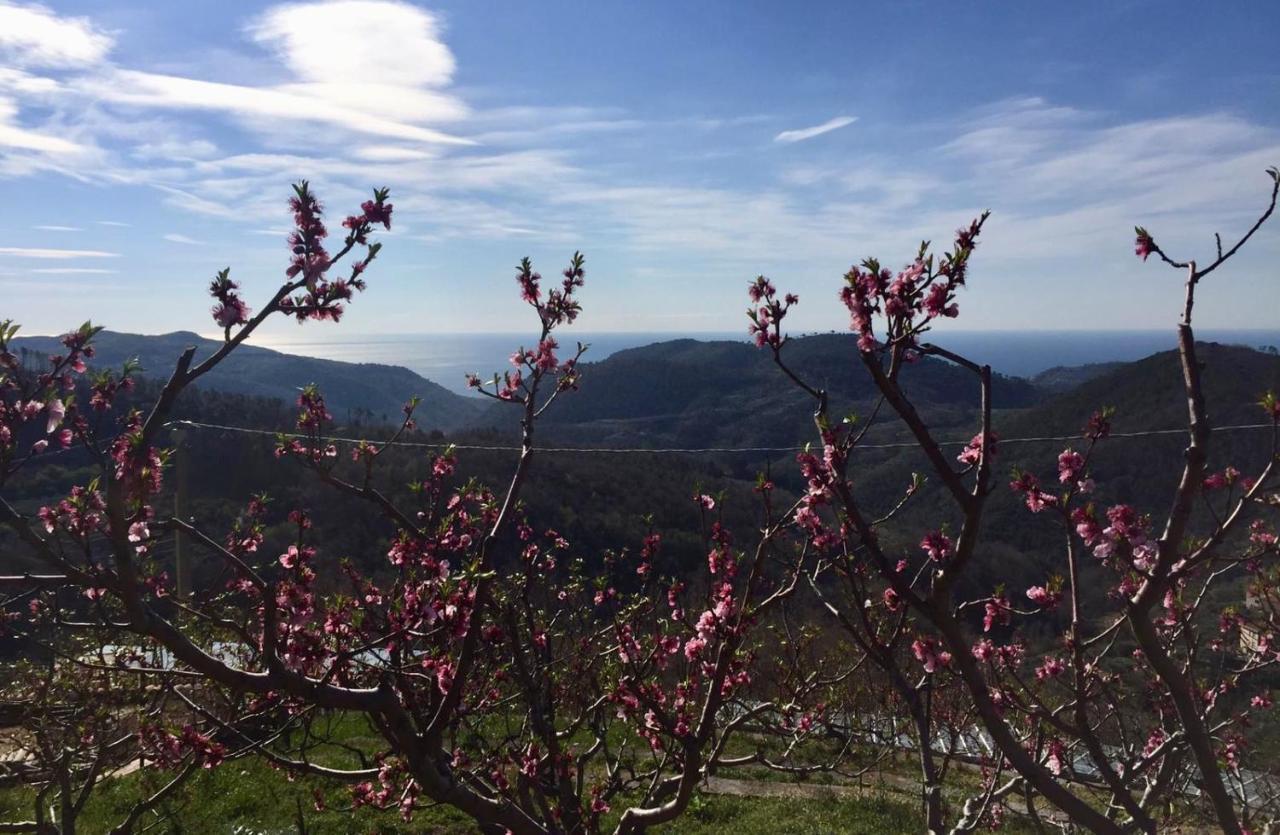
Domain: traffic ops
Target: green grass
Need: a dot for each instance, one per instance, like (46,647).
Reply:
(709,814)
(247,798)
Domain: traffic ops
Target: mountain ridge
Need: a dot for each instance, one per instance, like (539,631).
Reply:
(373,392)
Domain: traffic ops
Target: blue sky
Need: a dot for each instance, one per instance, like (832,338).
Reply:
(684,147)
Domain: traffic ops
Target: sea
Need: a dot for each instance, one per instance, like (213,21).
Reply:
(446,358)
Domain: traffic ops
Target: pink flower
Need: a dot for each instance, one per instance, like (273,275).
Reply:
(57,411)
(1218,481)
(1070,466)
(1044,597)
(377,211)
(973,451)
(705,501)
(138,532)
(937,545)
(1051,668)
(295,557)
(1143,245)
(1037,499)
(997,611)
(1056,758)
(925,649)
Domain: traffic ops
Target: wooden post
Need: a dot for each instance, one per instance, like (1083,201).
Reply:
(181,559)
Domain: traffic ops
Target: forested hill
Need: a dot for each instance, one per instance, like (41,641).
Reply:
(691,393)
(355,392)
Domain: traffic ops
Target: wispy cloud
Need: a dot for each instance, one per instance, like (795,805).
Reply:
(115,223)
(55,254)
(13,136)
(801,134)
(34,36)
(174,92)
(174,237)
(52,228)
(73,271)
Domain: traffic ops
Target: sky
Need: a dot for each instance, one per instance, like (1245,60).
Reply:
(683,147)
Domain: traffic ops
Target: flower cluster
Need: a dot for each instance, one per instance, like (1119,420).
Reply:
(910,300)
(929,653)
(767,315)
(38,409)
(561,306)
(532,365)
(230,310)
(1126,536)
(323,298)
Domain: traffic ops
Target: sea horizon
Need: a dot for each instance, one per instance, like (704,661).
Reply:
(446,358)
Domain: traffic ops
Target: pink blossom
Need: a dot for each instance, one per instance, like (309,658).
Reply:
(973,450)
(1057,754)
(937,545)
(996,611)
(1070,466)
(1044,597)
(57,411)
(1051,668)
(925,648)
(1143,245)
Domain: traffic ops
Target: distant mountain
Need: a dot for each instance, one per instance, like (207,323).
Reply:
(690,393)
(368,392)
(1148,394)
(1062,378)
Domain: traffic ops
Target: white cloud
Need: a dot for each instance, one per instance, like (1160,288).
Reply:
(298,104)
(391,153)
(176,149)
(53,228)
(111,223)
(73,271)
(801,134)
(341,40)
(12,136)
(55,254)
(33,35)
(174,237)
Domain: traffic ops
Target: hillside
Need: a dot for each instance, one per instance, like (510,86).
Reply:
(690,393)
(1062,378)
(367,392)
(1147,395)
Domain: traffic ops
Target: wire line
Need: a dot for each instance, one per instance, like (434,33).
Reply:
(695,450)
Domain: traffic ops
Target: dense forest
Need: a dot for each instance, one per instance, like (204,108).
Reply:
(683,393)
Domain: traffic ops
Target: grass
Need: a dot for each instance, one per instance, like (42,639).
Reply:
(248,798)
(710,814)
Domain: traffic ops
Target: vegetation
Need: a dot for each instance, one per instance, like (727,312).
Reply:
(869,609)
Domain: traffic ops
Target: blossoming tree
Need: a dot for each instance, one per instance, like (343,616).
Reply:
(502,677)
(1113,743)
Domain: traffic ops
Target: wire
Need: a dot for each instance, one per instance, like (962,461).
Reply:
(696,450)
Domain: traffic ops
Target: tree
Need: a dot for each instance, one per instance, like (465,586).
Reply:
(1084,722)
(503,681)
(506,680)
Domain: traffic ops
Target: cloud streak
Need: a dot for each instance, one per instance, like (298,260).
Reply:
(73,271)
(36,252)
(788,137)
(55,254)
(175,238)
